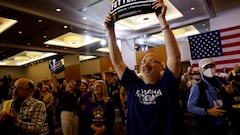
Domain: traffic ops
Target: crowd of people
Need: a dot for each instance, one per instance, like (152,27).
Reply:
(212,101)
(158,100)
(76,107)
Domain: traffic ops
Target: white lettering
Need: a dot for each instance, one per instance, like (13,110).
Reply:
(118,3)
(148,96)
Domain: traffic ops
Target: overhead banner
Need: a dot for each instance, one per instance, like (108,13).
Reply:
(121,9)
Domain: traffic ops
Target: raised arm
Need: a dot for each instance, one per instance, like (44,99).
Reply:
(172,50)
(114,51)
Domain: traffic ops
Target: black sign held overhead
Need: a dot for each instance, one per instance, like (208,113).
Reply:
(56,66)
(125,8)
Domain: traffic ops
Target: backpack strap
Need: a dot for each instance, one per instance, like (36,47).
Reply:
(202,101)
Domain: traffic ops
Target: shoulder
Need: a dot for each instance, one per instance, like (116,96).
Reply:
(197,86)
(128,72)
(169,78)
(33,101)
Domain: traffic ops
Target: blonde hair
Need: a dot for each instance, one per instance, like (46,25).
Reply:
(104,92)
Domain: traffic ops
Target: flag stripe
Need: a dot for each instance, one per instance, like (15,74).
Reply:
(230,40)
(232,52)
(230,44)
(230,28)
(230,36)
(230,49)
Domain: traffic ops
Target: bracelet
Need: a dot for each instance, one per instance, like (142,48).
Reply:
(164,28)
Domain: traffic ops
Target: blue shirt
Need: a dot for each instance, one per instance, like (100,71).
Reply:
(212,96)
(152,108)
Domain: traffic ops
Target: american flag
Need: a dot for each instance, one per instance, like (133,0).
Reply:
(223,46)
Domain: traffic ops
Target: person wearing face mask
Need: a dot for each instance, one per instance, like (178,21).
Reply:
(209,101)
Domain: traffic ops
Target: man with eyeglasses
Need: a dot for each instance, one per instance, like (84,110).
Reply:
(210,102)
(153,105)
(23,115)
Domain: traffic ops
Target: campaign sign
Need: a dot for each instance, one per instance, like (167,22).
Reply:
(125,8)
(56,66)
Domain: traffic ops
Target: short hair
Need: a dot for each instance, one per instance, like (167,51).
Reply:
(94,77)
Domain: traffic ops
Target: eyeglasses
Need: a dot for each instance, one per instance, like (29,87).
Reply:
(150,61)
(18,88)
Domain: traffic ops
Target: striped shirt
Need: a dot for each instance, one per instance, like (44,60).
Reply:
(31,117)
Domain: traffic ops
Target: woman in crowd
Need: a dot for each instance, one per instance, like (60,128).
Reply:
(69,110)
(99,111)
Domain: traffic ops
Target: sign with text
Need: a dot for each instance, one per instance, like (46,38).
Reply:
(56,66)
(125,8)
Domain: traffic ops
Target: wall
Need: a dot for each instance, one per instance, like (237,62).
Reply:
(40,72)
(226,19)
(72,67)
(37,72)
(90,67)
(15,72)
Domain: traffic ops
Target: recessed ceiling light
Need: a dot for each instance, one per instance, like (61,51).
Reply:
(145,18)
(192,8)
(103,42)
(65,26)
(44,36)
(58,9)
(20,32)
(84,9)
(39,20)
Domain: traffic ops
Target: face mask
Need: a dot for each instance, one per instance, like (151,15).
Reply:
(210,72)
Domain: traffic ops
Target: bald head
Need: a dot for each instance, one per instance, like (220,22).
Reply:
(152,55)
(25,83)
(22,89)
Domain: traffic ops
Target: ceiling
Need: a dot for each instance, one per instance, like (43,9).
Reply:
(39,22)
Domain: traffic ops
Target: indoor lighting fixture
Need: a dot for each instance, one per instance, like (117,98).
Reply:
(6,23)
(86,57)
(104,49)
(103,42)
(146,20)
(180,32)
(72,40)
(25,57)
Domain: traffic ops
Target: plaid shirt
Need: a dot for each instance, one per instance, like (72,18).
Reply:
(31,118)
